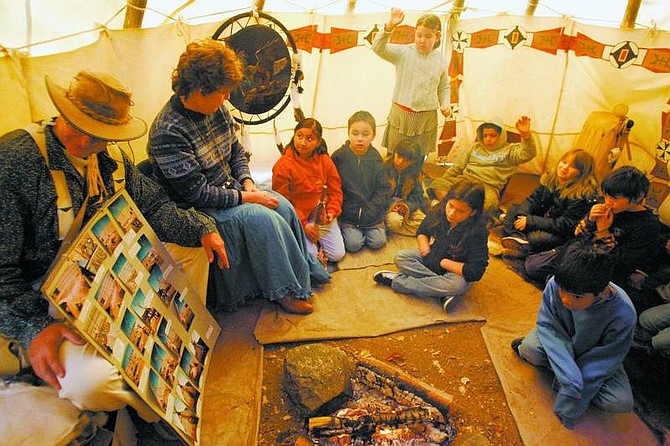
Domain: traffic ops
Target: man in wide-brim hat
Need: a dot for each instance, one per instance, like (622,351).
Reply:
(94,110)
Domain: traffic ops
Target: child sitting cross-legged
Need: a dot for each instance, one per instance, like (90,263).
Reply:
(547,218)
(408,204)
(452,251)
(584,330)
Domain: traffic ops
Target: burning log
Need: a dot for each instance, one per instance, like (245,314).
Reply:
(441,400)
(365,424)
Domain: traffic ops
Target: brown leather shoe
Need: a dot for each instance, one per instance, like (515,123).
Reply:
(295,306)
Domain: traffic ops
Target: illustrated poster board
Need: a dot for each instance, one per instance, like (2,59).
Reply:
(117,284)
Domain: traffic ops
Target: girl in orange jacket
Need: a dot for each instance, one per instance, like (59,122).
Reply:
(307,177)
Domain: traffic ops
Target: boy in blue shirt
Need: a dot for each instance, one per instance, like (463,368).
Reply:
(584,330)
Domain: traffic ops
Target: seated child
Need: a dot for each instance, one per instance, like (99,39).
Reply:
(403,168)
(655,323)
(584,330)
(303,175)
(547,218)
(491,160)
(452,251)
(622,225)
(366,188)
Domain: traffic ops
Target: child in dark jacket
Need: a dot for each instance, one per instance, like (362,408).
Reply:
(365,186)
(621,225)
(452,251)
(547,218)
(408,206)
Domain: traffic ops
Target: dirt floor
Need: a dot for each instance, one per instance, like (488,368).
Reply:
(452,358)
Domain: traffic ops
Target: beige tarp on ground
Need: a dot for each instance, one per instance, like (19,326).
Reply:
(509,305)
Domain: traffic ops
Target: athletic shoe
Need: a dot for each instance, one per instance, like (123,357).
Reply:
(515,247)
(515,346)
(447,300)
(385,277)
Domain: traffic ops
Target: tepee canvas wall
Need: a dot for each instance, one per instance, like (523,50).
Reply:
(554,70)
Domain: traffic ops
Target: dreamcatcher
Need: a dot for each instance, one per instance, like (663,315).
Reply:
(272,73)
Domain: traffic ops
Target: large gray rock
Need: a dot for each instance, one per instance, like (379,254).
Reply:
(317,378)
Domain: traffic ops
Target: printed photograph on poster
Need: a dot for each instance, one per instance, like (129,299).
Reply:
(190,364)
(142,305)
(89,255)
(125,215)
(164,363)
(185,419)
(169,336)
(147,254)
(198,347)
(125,271)
(133,364)
(108,235)
(162,285)
(160,390)
(110,295)
(138,333)
(72,289)
(184,312)
(99,326)
(186,390)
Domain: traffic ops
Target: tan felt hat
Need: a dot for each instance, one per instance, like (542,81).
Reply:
(97,104)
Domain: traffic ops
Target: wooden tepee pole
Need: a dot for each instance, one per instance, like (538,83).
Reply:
(531,6)
(630,15)
(134,13)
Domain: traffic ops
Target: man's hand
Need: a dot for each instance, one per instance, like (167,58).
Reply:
(523,126)
(213,243)
(43,352)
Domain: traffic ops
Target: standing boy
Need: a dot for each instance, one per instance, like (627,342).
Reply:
(584,330)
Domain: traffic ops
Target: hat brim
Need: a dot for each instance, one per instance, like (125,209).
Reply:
(133,129)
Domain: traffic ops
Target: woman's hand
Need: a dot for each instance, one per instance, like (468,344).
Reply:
(250,186)
(312,232)
(213,243)
(43,352)
(520,223)
(395,18)
(523,126)
(260,197)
